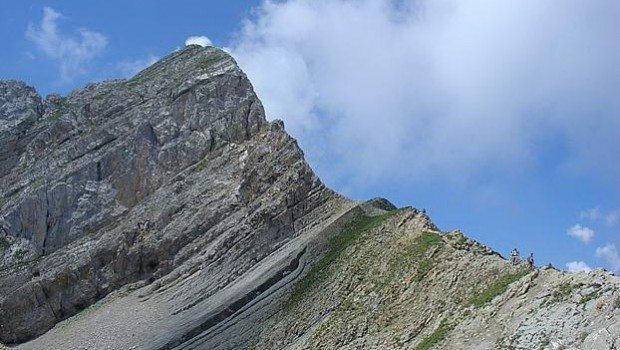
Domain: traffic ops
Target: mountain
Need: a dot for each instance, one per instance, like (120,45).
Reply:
(166,212)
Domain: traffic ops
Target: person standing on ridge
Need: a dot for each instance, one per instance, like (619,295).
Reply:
(514,256)
(530,261)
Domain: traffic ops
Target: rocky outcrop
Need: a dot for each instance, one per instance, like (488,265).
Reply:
(403,285)
(174,170)
(166,212)
(20,109)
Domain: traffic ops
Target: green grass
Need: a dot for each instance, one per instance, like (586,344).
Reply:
(436,337)
(418,251)
(424,242)
(617,303)
(415,252)
(337,245)
(496,288)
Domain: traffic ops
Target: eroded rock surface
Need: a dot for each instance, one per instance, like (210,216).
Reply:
(175,170)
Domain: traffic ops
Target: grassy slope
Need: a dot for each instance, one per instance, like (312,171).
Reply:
(379,281)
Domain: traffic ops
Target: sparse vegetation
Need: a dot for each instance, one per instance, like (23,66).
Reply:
(424,242)
(562,292)
(590,296)
(19,254)
(418,250)
(423,268)
(202,165)
(337,245)
(617,303)
(55,115)
(83,313)
(436,337)
(207,62)
(413,252)
(101,96)
(496,288)
(144,76)
(461,239)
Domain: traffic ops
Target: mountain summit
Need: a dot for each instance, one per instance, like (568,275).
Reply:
(166,212)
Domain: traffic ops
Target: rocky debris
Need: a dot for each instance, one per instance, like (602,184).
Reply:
(166,212)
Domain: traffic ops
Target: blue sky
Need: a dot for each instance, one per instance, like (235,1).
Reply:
(500,119)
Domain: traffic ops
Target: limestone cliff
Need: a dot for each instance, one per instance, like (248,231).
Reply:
(166,212)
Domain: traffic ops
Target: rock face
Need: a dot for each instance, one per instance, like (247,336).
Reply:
(165,212)
(175,170)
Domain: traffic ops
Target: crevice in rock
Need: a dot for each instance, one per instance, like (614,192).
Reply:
(99,176)
(47,220)
(47,301)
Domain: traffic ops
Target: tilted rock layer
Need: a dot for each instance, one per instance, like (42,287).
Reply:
(165,212)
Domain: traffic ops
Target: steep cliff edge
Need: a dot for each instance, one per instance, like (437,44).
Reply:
(171,172)
(166,212)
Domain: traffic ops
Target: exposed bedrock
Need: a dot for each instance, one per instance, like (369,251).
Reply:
(130,180)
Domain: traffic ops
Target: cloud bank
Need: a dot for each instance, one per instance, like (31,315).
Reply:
(398,89)
(198,40)
(595,214)
(610,254)
(578,266)
(71,52)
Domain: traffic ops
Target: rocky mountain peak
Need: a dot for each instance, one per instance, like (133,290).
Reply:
(165,212)
(176,151)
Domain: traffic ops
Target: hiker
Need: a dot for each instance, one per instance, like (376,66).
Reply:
(514,256)
(530,261)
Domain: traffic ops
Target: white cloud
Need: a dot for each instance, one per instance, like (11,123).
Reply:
(610,217)
(578,266)
(198,40)
(131,68)
(591,214)
(71,52)
(582,233)
(610,254)
(395,89)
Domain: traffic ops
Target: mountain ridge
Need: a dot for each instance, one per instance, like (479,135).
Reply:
(165,212)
